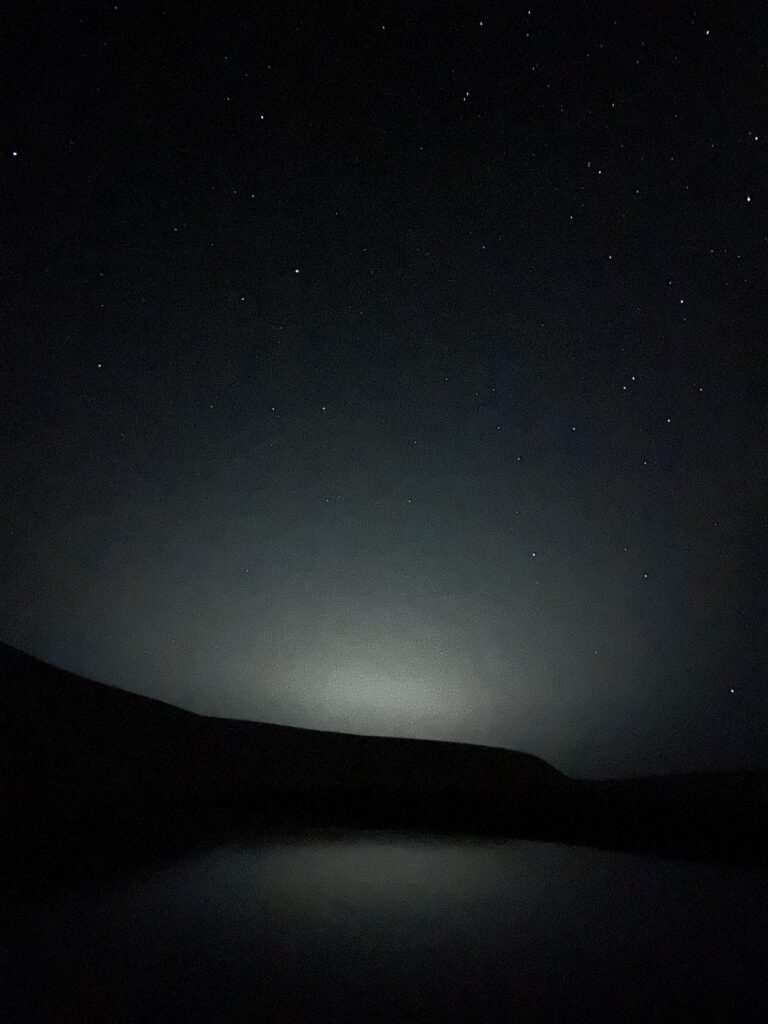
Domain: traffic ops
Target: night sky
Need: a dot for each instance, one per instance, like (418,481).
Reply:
(394,369)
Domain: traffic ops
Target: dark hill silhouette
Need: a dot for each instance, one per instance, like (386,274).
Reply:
(88,771)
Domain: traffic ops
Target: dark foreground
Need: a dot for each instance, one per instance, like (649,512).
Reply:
(388,928)
(96,779)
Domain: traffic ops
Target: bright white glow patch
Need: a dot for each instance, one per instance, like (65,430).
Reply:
(390,696)
(389,673)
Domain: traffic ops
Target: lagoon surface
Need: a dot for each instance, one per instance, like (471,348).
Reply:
(386,927)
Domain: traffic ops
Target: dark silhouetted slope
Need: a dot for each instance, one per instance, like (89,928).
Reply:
(84,767)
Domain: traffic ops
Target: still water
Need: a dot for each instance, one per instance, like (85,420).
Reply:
(382,927)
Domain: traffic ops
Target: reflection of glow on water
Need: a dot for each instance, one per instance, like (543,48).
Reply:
(386,927)
(375,872)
